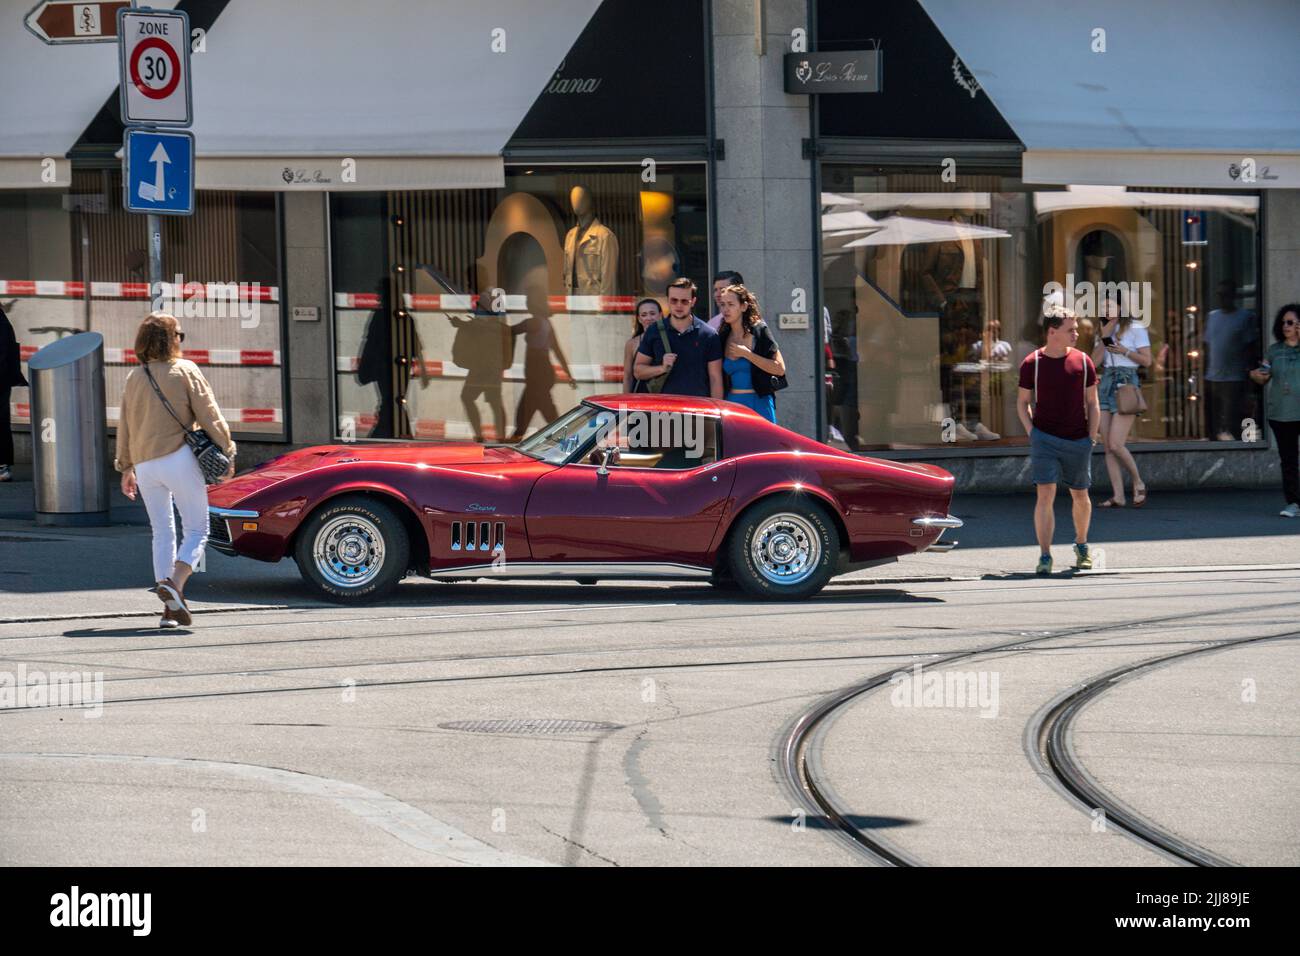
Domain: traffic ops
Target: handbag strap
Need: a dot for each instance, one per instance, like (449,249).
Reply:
(166,404)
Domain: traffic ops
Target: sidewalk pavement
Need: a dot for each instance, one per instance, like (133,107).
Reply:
(89,572)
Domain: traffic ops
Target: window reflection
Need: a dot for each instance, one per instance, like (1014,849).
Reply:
(933,295)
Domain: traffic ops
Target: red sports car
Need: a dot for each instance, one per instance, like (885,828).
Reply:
(622,486)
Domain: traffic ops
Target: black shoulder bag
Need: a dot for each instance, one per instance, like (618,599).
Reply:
(212,460)
(765,384)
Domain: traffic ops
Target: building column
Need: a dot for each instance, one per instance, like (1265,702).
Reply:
(307,344)
(763,200)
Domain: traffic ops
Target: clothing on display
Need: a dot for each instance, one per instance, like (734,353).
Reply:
(590,251)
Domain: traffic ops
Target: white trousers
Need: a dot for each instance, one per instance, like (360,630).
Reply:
(162,480)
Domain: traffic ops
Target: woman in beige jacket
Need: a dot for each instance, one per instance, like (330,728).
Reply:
(155,460)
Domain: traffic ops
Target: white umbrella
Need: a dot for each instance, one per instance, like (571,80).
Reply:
(907,230)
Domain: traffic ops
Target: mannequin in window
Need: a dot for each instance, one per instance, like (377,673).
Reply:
(951,280)
(590,251)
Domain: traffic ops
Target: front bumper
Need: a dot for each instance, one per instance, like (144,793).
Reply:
(942,524)
(219,536)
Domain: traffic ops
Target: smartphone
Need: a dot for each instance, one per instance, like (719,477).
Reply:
(1108,340)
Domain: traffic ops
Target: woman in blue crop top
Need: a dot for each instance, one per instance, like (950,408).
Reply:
(750,354)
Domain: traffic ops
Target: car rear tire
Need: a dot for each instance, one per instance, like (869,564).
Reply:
(784,548)
(353,549)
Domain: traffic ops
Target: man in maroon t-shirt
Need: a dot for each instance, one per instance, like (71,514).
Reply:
(1058,408)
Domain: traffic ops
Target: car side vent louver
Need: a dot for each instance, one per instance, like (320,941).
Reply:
(478,536)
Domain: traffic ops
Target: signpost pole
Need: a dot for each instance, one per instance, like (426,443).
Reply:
(155,261)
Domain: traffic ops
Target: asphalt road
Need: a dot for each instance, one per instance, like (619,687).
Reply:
(533,724)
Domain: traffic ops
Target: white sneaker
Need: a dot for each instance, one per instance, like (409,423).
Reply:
(963,433)
(985,434)
(167,621)
(1290,511)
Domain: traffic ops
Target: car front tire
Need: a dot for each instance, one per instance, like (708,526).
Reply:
(784,548)
(353,550)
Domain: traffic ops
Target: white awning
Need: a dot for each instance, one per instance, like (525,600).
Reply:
(48,95)
(330,95)
(417,93)
(1193,93)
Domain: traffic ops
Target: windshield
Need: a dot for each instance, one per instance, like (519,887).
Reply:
(557,442)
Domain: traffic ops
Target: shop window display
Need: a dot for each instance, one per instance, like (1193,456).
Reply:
(934,292)
(75,261)
(483,314)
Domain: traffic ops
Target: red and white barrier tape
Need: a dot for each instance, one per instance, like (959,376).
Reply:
(235,416)
(515,373)
(596,304)
(221,357)
(215,291)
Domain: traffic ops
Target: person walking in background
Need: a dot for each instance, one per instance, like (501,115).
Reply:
(156,461)
(647,314)
(1231,343)
(11,377)
(539,373)
(1057,405)
(692,356)
(1280,372)
(750,354)
(721,281)
(1121,349)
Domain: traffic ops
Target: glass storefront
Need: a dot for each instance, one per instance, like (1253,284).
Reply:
(481,314)
(75,261)
(934,292)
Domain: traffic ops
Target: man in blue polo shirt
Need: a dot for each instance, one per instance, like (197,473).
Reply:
(694,355)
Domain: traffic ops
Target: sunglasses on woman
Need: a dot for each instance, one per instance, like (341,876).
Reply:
(180,336)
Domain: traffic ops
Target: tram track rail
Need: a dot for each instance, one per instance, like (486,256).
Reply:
(795,748)
(1050,733)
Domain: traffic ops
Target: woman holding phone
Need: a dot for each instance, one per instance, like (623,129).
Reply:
(1123,347)
(1280,371)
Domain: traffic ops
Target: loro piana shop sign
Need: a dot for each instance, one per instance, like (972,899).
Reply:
(848,71)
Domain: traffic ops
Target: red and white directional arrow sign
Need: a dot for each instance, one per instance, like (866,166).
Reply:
(63,21)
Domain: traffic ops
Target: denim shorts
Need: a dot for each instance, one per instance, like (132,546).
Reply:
(1112,377)
(1053,459)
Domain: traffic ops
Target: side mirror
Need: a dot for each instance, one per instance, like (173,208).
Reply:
(608,456)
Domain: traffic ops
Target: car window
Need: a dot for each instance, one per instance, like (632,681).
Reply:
(667,441)
(560,440)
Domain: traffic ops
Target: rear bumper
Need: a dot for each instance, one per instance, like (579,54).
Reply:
(941,524)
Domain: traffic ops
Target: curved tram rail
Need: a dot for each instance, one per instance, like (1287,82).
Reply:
(1051,728)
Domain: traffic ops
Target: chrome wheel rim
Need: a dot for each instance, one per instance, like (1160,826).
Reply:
(349,551)
(786,549)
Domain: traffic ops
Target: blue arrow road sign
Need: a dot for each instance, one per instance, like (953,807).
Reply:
(158,174)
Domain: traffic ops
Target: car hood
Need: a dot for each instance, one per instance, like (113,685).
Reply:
(303,460)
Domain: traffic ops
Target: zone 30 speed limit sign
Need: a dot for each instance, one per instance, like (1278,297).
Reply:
(154,55)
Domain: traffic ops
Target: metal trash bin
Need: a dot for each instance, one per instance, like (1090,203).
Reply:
(69,431)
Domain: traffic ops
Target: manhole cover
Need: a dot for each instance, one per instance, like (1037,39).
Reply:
(529,725)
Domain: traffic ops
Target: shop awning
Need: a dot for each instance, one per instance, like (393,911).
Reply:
(47,96)
(1195,93)
(416,93)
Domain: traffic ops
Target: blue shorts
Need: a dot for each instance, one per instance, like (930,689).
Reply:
(1053,459)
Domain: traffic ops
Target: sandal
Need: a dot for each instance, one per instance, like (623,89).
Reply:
(1139,497)
(1111,503)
